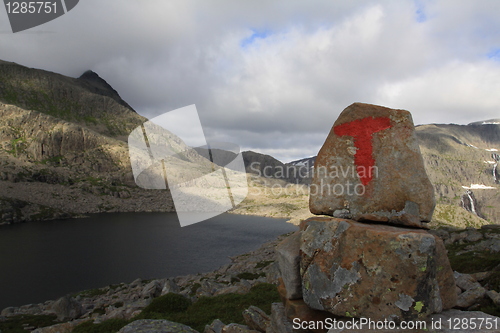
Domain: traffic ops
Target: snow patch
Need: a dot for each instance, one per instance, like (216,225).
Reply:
(478,187)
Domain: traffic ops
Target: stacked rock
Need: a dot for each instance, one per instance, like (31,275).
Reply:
(372,258)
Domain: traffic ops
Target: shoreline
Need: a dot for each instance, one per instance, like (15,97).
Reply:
(126,300)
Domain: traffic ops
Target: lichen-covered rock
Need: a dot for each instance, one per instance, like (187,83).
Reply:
(156,326)
(374,271)
(370,168)
(256,319)
(288,256)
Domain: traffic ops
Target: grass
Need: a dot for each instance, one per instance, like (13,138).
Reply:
(228,308)
(17,324)
(108,326)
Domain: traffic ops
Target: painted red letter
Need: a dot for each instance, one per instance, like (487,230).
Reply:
(362,131)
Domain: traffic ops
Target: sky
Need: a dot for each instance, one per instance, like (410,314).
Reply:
(273,76)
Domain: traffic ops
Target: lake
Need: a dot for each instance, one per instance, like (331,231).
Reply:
(45,260)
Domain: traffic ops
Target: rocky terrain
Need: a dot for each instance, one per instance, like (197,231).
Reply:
(474,256)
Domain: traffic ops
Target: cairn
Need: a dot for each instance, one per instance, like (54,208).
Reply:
(371,257)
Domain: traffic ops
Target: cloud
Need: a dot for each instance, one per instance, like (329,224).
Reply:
(273,76)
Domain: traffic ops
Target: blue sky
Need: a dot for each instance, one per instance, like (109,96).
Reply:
(272,76)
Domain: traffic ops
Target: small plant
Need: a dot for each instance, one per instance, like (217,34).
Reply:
(263,264)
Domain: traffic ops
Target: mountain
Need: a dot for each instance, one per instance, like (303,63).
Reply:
(63,150)
(267,166)
(461,159)
(88,101)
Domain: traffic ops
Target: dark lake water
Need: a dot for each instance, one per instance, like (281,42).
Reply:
(46,260)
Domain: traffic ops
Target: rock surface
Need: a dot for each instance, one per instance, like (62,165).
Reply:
(374,271)
(288,257)
(66,308)
(370,168)
(156,326)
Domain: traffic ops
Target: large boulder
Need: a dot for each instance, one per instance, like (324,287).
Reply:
(370,168)
(288,257)
(374,271)
(66,308)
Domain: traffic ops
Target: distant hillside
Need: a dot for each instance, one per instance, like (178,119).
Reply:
(459,158)
(62,149)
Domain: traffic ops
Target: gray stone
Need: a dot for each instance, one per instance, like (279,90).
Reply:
(8,311)
(470,297)
(156,326)
(280,323)
(151,290)
(465,281)
(170,287)
(494,296)
(60,328)
(256,319)
(288,257)
(272,273)
(137,282)
(215,327)
(370,165)
(473,235)
(66,308)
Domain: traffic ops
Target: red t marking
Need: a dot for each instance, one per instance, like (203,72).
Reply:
(362,131)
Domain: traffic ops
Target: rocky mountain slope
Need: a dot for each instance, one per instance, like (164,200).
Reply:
(62,148)
(460,161)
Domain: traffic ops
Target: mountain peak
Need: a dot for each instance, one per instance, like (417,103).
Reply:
(92,81)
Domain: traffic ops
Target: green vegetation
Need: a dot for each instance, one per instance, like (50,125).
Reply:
(169,303)
(19,324)
(53,160)
(250,276)
(263,264)
(228,308)
(108,326)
